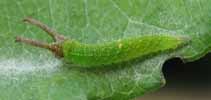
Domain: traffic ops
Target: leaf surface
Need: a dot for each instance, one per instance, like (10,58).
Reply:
(32,73)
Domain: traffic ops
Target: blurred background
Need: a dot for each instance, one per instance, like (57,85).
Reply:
(189,81)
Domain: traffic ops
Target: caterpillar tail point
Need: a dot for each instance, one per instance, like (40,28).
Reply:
(185,39)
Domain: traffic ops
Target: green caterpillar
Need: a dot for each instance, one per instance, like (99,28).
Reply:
(87,55)
(118,51)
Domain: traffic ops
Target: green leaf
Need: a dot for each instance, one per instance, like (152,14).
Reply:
(32,73)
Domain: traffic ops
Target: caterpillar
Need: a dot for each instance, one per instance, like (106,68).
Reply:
(88,55)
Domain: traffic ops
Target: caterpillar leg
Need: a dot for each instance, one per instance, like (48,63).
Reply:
(55,35)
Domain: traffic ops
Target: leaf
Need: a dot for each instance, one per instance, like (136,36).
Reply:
(32,73)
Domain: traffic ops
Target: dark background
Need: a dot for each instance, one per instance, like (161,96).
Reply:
(185,81)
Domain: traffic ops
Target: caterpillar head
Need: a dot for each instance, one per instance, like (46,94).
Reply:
(55,47)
